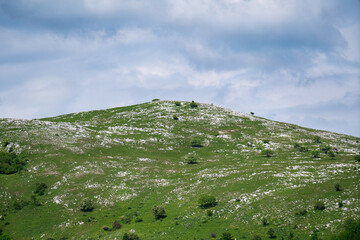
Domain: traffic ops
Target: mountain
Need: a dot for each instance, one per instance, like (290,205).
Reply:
(100,174)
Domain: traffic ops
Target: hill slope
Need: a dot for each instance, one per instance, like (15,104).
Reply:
(127,160)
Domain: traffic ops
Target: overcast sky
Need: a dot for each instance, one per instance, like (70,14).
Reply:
(287,60)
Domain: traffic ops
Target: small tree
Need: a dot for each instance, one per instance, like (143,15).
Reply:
(207,201)
(131,236)
(155,99)
(191,160)
(175,117)
(227,236)
(87,205)
(271,233)
(267,152)
(264,222)
(337,187)
(357,158)
(315,154)
(331,155)
(317,139)
(116,225)
(196,142)
(319,206)
(159,212)
(177,103)
(193,104)
(252,113)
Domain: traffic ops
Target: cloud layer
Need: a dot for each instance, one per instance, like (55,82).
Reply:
(294,61)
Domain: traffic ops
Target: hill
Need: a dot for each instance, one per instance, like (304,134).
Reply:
(99,175)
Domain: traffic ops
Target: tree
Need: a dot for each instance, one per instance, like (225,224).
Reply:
(159,212)
(87,205)
(177,103)
(226,236)
(267,152)
(191,160)
(207,201)
(337,187)
(193,104)
(131,236)
(175,117)
(196,142)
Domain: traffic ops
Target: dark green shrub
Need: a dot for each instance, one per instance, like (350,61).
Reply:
(266,141)
(126,220)
(351,231)
(301,212)
(5,237)
(319,206)
(252,113)
(315,154)
(337,187)
(106,228)
(159,212)
(264,222)
(193,104)
(137,220)
(325,148)
(155,99)
(331,154)
(5,143)
(18,205)
(207,201)
(209,213)
(297,145)
(11,163)
(35,201)
(175,117)
(87,205)
(116,225)
(271,233)
(213,235)
(177,103)
(256,237)
(340,204)
(131,236)
(317,139)
(267,152)
(196,142)
(40,188)
(227,236)
(357,158)
(191,160)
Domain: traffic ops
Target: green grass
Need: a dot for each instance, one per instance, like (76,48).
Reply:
(129,159)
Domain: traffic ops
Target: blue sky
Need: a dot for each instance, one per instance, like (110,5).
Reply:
(287,60)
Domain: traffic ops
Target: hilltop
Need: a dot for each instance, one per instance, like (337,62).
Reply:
(124,161)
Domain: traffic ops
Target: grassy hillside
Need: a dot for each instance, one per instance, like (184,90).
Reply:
(128,160)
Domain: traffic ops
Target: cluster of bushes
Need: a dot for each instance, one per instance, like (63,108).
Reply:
(11,163)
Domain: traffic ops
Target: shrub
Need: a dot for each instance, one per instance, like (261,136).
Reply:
(159,212)
(331,154)
(264,222)
(325,148)
(340,204)
(5,237)
(193,104)
(351,231)
(11,163)
(207,201)
(337,187)
(209,213)
(357,158)
(40,188)
(301,212)
(106,228)
(175,117)
(319,206)
(317,139)
(5,143)
(177,103)
(271,233)
(196,142)
(267,152)
(256,237)
(314,236)
(18,205)
(252,113)
(87,205)
(35,201)
(213,235)
(315,154)
(137,220)
(116,225)
(131,236)
(266,141)
(191,160)
(155,99)
(227,236)
(296,145)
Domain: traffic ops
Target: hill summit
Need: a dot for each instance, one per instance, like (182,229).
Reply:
(174,170)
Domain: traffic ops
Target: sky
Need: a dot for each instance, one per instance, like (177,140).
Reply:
(286,60)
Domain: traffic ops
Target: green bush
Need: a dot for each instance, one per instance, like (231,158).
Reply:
(207,201)
(209,213)
(271,233)
(11,163)
(40,188)
(351,231)
(264,222)
(315,154)
(252,113)
(177,103)
(297,145)
(193,104)
(131,236)
(331,154)
(256,237)
(196,142)
(191,160)
(325,148)
(159,212)
(357,158)
(319,206)
(337,187)
(227,236)
(317,139)
(5,143)
(155,99)
(116,225)
(20,204)
(267,152)
(301,212)
(87,205)
(266,141)
(175,117)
